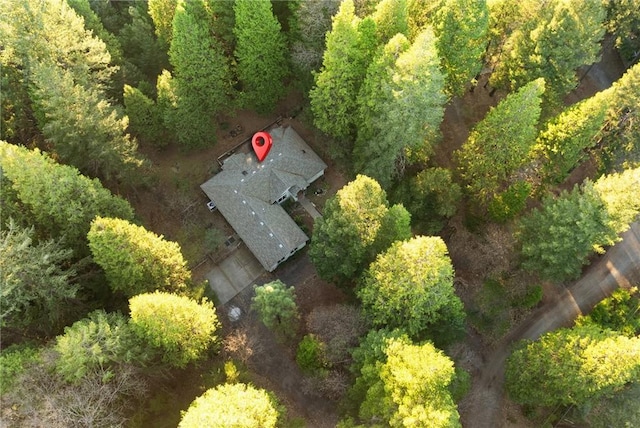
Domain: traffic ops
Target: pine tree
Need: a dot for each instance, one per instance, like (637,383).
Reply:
(553,41)
(572,366)
(461,29)
(201,74)
(390,17)
(84,129)
(344,65)
(162,12)
(401,106)
(136,260)
(501,143)
(56,199)
(145,118)
(260,51)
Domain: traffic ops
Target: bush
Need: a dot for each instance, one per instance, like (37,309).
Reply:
(13,361)
(310,355)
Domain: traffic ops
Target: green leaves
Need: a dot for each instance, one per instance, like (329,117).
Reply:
(35,281)
(501,143)
(232,405)
(260,50)
(410,286)
(347,238)
(180,329)
(572,366)
(136,260)
(276,306)
(403,384)
(580,223)
(56,199)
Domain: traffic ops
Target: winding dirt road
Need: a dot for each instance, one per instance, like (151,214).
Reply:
(619,267)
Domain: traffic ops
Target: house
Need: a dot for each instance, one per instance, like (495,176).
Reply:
(248,194)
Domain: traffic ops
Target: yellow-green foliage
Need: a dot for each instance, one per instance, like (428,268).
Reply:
(136,260)
(572,366)
(55,198)
(181,329)
(232,405)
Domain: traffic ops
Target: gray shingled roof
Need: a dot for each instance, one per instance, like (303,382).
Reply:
(245,192)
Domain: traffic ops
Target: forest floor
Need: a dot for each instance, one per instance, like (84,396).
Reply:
(174,205)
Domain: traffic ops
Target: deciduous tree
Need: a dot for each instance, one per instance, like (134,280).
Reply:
(572,366)
(261,54)
(136,260)
(180,329)
(410,286)
(230,405)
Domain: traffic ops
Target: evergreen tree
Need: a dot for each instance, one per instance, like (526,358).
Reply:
(461,29)
(390,17)
(56,199)
(178,328)
(564,141)
(233,405)
(623,21)
(201,74)
(572,366)
(430,197)
(410,286)
(346,58)
(162,13)
(403,384)
(36,282)
(276,306)
(553,41)
(101,340)
(501,143)
(343,239)
(260,51)
(401,107)
(136,260)
(145,118)
(48,32)
(84,129)
(581,222)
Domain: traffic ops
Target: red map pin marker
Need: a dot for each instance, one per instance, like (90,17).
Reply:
(261,143)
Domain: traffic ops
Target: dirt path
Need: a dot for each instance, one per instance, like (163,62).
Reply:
(619,267)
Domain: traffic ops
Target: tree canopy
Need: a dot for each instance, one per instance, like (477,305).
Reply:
(572,366)
(344,239)
(180,329)
(136,260)
(581,222)
(410,286)
(261,54)
(404,384)
(276,306)
(501,143)
(56,199)
(35,279)
(232,405)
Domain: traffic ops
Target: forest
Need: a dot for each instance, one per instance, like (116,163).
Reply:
(484,157)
